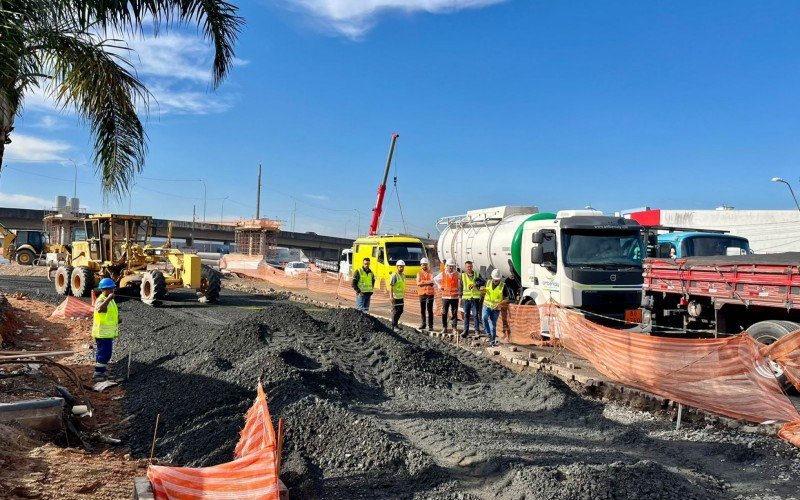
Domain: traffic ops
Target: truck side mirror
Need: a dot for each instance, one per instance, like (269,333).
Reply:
(537,237)
(537,254)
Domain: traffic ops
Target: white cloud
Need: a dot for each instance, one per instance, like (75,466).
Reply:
(183,101)
(29,148)
(14,200)
(318,197)
(49,122)
(173,56)
(354,18)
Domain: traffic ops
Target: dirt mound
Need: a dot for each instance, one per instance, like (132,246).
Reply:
(624,481)
(14,269)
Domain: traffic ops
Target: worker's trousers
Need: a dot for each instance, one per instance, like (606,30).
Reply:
(103,356)
(490,323)
(470,308)
(397,311)
(362,302)
(452,305)
(426,310)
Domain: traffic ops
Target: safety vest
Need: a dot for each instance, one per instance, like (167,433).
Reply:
(494,295)
(466,281)
(106,325)
(399,287)
(425,277)
(449,285)
(365,281)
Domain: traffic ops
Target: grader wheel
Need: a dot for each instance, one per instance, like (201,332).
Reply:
(82,281)
(62,280)
(153,288)
(210,285)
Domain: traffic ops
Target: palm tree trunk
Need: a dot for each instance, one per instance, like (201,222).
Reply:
(7,112)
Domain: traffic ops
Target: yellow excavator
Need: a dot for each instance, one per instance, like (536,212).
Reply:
(23,246)
(118,247)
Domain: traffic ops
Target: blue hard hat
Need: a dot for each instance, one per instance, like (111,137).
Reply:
(106,283)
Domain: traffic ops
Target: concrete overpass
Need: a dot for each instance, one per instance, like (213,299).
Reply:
(314,245)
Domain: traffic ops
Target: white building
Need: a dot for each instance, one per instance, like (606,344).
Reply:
(769,231)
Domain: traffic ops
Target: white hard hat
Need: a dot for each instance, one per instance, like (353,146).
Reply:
(451,262)
(423,260)
(401,263)
(496,275)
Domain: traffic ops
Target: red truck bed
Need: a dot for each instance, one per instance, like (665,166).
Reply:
(771,280)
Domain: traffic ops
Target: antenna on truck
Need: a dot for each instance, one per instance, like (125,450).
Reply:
(376,212)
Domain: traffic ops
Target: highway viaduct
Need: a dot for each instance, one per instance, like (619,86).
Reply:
(314,245)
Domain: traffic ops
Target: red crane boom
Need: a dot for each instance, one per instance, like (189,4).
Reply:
(376,212)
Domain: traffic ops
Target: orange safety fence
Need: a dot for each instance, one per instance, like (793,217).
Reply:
(73,308)
(253,475)
(730,376)
(786,352)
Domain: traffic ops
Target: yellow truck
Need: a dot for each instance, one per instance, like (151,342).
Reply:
(385,251)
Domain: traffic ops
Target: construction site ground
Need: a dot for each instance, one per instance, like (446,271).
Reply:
(376,414)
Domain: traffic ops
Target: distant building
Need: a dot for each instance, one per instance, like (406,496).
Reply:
(769,231)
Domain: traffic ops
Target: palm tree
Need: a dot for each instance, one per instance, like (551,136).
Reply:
(64,46)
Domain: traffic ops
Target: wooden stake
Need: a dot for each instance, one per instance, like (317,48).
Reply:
(128,375)
(680,415)
(155,434)
(279,451)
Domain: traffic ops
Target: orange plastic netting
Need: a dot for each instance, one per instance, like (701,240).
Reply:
(730,376)
(252,475)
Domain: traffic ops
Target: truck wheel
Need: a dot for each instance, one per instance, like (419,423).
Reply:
(154,287)
(25,258)
(768,332)
(210,285)
(62,280)
(82,281)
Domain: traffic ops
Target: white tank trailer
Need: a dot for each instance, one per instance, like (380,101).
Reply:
(486,237)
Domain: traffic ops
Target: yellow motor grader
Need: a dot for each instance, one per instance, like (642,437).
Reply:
(117,247)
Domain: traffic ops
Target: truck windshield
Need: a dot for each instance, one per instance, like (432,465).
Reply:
(410,253)
(709,246)
(594,248)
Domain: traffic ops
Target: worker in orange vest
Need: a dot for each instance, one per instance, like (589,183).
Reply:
(426,293)
(448,284)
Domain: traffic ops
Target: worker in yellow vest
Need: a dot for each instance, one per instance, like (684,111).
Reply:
(364,285)
(495,298)
(105,327)
(397,292)
(470,289)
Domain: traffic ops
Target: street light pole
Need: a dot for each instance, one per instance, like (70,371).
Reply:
(222,210)
(778,179)
(205,198)
(358,233)
(75,189)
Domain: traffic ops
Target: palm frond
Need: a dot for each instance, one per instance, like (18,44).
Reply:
(217,19)
(103,89)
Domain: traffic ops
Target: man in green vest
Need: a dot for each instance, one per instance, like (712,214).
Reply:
(364,285)
(470,288)
(105,327)
(495,298)
(397,288)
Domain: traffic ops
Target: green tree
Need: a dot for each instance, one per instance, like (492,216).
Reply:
(67,47)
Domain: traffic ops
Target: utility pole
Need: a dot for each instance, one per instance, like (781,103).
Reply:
(194,216)
(258,200)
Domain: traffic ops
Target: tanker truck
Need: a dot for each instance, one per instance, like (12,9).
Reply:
(577,258)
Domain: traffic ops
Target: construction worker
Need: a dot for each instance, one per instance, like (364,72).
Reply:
(363,284)
(397,286)
(105,327)
(426,293)
(496,296)
(448,284)
(470,289)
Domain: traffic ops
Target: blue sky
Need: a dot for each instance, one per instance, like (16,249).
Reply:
(557,104)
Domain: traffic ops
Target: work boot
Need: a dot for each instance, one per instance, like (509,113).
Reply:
(422,327)
(464,334)
(99,377)
(445,330)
